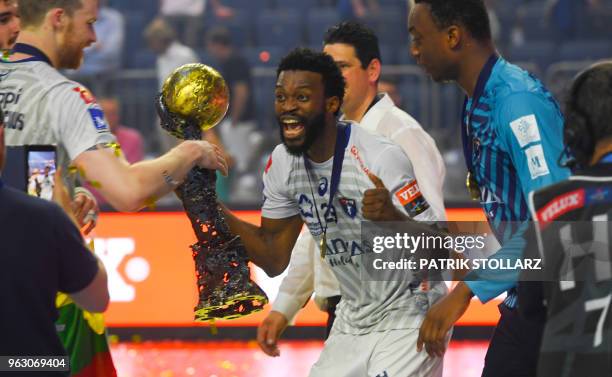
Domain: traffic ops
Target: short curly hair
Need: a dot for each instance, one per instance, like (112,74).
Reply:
(304,59)
(471,14)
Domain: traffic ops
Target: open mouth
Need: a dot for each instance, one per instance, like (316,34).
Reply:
(292,127)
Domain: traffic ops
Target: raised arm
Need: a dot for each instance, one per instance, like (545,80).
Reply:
(130,187)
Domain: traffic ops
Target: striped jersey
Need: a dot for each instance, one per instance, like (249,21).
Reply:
(366,306)
(42,107)
(516,136)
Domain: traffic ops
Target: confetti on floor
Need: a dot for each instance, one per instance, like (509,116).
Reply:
(244,359)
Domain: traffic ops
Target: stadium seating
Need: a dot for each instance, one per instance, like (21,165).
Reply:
(279,28)
(318,20)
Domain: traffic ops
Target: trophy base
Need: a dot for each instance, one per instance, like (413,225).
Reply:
(236,306)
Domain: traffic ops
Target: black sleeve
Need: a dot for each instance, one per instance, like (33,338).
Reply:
(77,266)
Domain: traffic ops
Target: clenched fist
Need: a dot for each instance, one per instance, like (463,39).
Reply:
(378,204)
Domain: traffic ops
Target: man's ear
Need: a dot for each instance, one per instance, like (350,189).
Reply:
(374,69)
(57,17)
(454,36)
(332,104)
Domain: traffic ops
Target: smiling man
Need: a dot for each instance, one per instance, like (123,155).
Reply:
(321,165)
(354,47)
(9,25)
(512,139)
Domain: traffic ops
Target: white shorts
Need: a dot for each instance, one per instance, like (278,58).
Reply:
(390,353)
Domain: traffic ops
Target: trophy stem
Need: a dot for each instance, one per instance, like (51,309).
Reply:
(222,271)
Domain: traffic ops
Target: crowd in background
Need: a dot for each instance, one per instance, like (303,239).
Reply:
(140,44)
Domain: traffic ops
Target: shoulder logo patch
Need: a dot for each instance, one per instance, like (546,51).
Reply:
(99,122)
(85,94)
(536,161)
(526,130)
(268,165)
(411,199)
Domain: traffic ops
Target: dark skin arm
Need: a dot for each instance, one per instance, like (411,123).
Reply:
(441,317)
(269,245)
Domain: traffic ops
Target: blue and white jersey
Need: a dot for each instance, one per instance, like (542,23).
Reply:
(366,306)
(516,134)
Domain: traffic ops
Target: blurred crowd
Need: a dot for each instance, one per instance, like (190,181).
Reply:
(139,45)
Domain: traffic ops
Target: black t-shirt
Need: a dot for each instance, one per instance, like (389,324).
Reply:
(41,253)
(575,232)
(235,70)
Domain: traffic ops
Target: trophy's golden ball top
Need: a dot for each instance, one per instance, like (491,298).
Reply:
(198,93)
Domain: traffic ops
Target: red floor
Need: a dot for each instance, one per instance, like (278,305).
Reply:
(244,359)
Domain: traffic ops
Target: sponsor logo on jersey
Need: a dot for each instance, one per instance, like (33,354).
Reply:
(340,246)
(306,206)
(329,213)
(314,227)
(323,186)
(488,197)
(85,94)
(10,97)
(526,130)
(536,161)
(355,153)
(559,206)
(599,195)
(97,116)
(411,199)
(349,206)
(268,165)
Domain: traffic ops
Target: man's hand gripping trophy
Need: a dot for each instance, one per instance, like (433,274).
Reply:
(194,99)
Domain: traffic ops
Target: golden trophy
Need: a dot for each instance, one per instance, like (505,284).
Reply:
(195,98)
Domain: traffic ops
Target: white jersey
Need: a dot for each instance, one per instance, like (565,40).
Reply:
(307,272)
(366,306)
(388,120)
(42,107)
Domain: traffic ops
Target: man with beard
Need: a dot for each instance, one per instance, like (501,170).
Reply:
(321,165)
(43,107)
(354,48)
(512,138)
(9,25)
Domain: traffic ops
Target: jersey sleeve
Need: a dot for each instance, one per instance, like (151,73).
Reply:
(395,170)
(298,284)
(77,264)
(277,203)
(530,128)
(80,121)
(427,164)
